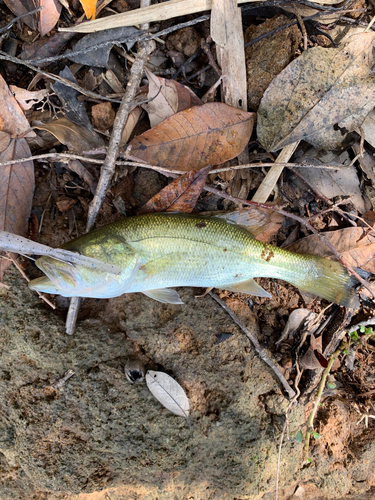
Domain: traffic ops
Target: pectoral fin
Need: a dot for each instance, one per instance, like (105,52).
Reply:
(165,295)
(250,287)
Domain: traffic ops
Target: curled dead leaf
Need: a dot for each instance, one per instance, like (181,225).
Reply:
(78,139)
(181,195)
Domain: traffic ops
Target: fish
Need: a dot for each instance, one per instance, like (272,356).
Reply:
(157,252)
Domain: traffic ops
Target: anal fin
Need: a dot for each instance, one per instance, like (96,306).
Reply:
(250,287)
(165,295)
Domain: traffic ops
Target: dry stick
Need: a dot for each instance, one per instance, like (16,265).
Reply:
(143,37)
(59,383)
(299,219)
(108,167)
(43,297)
(13,21)
(163,170)
(109,164)
(318,397)
(259,349)
(269,182)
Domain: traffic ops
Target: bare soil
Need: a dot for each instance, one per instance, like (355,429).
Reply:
(99,437)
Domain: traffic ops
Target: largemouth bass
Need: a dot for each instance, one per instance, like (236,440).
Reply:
(159,251)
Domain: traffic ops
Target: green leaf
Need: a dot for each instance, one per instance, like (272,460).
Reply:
(331,385)
(362,329)
(354,335)
(316,435)
(308,460)
(369,331)
(299,436)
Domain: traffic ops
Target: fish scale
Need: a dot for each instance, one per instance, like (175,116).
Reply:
(163,250)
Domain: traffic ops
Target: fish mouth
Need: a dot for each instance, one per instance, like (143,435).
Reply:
(43,284)
(61,277)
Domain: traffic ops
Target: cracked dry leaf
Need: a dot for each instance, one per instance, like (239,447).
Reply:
(320,97)
(195,138)
(78,139)
(169,393)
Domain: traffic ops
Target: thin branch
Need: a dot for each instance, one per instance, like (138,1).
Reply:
(56,78)
(259,349)
(16,19)
(41,295)
(163,170)
(108,167)
(318,397)
(143,37)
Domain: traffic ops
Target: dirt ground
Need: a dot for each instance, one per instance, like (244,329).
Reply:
(99,437)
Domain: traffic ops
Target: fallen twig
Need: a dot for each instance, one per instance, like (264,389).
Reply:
(318,397)
(57,78)
(259,349)
(59,383)
(41,295)
(109,165)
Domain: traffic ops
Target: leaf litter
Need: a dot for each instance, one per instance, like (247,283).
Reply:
(321,97)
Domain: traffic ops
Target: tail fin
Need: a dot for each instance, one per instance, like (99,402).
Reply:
(330,280)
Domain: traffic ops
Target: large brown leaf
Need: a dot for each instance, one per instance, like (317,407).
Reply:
(319,97)
(16,181)
(355,244)
(181,195)
(171,97)
(195,138)
(16,191)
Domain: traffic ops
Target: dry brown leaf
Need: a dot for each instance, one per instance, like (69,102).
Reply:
(181,195)
(169,393)
(195,138)
(171,97)
(78,139)
(43,20)
(16,191)
(261,64)
(5,139)
(12,119)
(130,124)
(27,99)
(353,243)
(319,97)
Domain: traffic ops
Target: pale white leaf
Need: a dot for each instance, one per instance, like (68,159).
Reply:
(169,393)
